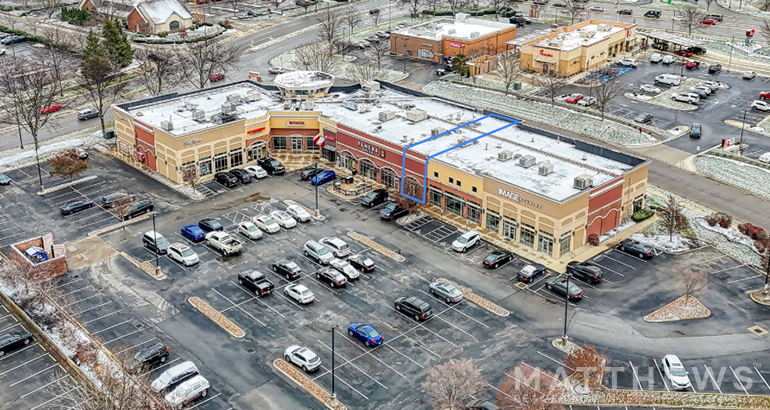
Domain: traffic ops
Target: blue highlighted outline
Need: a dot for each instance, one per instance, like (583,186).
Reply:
(425,173)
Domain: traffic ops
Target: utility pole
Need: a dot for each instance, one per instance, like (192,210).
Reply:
(333,331)
(388,14)
(730,60)
(743,125)
(405,38)
(564,336)
(317,212)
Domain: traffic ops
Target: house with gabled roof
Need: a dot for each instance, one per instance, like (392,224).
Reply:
(144,16)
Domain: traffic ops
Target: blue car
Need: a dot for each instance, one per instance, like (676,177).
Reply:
(322,177)
(4,179)
(193,233)
(365,333)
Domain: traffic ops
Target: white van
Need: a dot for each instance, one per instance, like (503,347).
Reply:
(174,376)
(668,79)
(188,391)
(667,59)
(765,157)
(656,58)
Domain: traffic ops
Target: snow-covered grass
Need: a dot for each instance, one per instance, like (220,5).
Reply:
(686,307)
(201,31)
(745,176)
(286,60)
(489,81)
(14,159)
(580,123)
(665,243)
(745,7)
(739,50)
(618,229)
(730,234)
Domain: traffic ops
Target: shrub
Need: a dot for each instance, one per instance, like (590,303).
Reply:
(226,24)
(752,231)
(761,246)
(711,219)
(642,214)
(725,220)
(593,239)
(162,34)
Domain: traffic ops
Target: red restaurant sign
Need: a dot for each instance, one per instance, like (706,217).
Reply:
(455,45)
(256,131)
(295,123)
(544,54)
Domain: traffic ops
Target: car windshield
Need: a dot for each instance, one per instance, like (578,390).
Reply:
(162,240)
(275,163)
(462,239)
(390,207)
(574,288)
(188,252)
(165,378)
(323,251)
(215,224)
(453,290)
(306,292)
(371,195)
(269,221)
(678,371)
(371,332)
(292,266)
(491,257)
(252,227)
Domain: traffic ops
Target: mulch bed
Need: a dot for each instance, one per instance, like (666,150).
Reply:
(215,316)
(299,377)
(377,247)
(684,308)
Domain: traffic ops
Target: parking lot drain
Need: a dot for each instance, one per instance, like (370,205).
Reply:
(757,330)
(308,385)
(484,303)
(396,256)
(521,285)
(250,350)
(139,325)
(217,317)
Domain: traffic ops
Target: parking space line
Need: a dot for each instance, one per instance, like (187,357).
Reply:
(124,336)
(636,376)
(661,375)
(61,285)
(611,270)
(23,364)
(90,309)
(3,317)
(727,269)
(8,237)
(420,344)
(761,377)
(111,327)
(205,401)
(716,384)
(136,345)
(19,351)
(11,326)
(33,375)
(422,324)
(358,345)
(168,362)
(473,337)
(346,384)
(74,291)
(551,359)
(350,362)
(622,263)
(739,381)
(629,255)
(82,300)
(55,398)
(405,356)
(102,317)
(746,278)
(44,386)
(252,298)
(460,312)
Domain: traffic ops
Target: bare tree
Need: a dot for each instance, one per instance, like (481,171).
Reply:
(9,20)
(587,363)
(764,259)
(330,27)
(605,92)
(57,60)
(528,388)
(455,5)
(67,164)
(691,17)
(364,70)
(190,175)
(508,70)
(672,218)
(573,10)
(51,6)
(451,384)
(764,28)
(497,6)
(200,60)
(414,7)
(101,77)
(374,15)
(377,51)
(763,5)
(708,4)
(234,4)
(32,283)
(693,282)
(352,19)
(316,57)
(159,71)
(552,85)
(434,4)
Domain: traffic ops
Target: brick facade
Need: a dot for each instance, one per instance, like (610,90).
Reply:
(56,264)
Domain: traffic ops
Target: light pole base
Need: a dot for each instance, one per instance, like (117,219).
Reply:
(334,402)
(766,289)
(157,271)
(564,339)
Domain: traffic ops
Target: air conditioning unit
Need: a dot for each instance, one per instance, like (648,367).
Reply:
(234,99)
(437,131)
(386,115)
(475,34)
(370,86)
(351,105)
(287,104)
(181,108)
(253,95)
(545,168)
(167,125)
(527,161)
(416,115)
(505,155)
(199,115)
(604,27)
(555,42)
(587,34)
(309,104)
(583,181)
(228,109)
(452,31)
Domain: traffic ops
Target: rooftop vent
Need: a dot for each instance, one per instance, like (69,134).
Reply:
(461,16)
(386,115)
(583,181)
(516,156)
(234,99)
(545,168)
(475,34)
(309,104)
(287,104)
(527,161)
(458,116)
(167,125)
(587,34)
(416,115)
(199,115)
(555,42)
(404,138)
(604,27)
(351,105)
(253,95)
(452,31)
(370,86)
(437,131)
(228,109)
(504,155)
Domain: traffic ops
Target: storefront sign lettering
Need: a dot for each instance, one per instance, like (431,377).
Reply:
(192,141)
(295,123)
(330,136)
(427,45)
(368,148)
(256,131)
(544,54)
(455,45)
(516,197)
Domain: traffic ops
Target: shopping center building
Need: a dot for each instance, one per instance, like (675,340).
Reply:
(541,190)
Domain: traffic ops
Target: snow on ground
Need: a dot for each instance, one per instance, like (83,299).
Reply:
(686,307)
(730,234)
(745,176)
(286,60)
(489,81)
(201,31)
(749,7)
(580,123)
(664,242)
(664,98)
(612,232)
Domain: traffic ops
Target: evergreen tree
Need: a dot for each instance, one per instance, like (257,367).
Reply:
(116,43)
(94,47)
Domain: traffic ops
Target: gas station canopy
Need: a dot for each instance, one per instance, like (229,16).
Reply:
(663,37)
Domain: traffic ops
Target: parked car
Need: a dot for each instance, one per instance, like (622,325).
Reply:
(187,391)
(519,21)
(365,333)
(303,358)
(587,102)
(713,85)
(652,13)
(414,307)
(375,198)
(4,179)
(656,58)
(174,376)
(216,77)
(266,223)
(446,291)
(298,213)
(382,34)
(695,132)
(226,179)
(372,39)
(323,177)
(633,247)
(224,242)
(148,356)
(559,285)
(764,158)
(11,341)
(649,89)
(749,75)
(342,266)
(690,98)
(675,372)
(480,404)
(332,277)
(466,241)
(256,282)
(249,230)
(708,21)
(573,98)
(183,254)
(50,109)
(287,268)
(760,106)
(300,293)
(338,247)
(392,211)
(361,262)
(138,208)
(668,79)
(241,175)
(529,273)
(210,225)
(626,12)
(76,206)
(584,271)
(255,171)
(318,252)
(117,198)
(271,165)
(193,233)
(708,90)
(684,53)
(715,68)
(13,40)
(87,114)
(497,258)
(660,46)
(308,173)
(283,219)
(361,44)
(668,59)
(628,62)
(700,92)
(692,64)
(600,9)
(276,70)
(715,16)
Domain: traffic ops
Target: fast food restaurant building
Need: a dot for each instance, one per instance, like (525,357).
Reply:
(543,191)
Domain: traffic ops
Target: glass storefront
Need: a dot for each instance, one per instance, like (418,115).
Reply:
(638,203)
(390,179)
(330,155)
(220,162)
(493,221)
(509,228)
(565,243)
(474,212)
(454,204)
(545,243)
(279,142)
(347,161)
(367,169)
(204,166)
(527,236)
(256,150)
(236,158)
(296,143)
(435,197)
(310,144)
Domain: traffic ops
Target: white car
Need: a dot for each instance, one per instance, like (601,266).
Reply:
(188,391)
(675,372)
(649,89)
(628,62)
(686,97)
(596,8)
(266,224)
(283,219)
(587,101)
(303,358)
(749,75)
(714,85)
(760,105)
(249,230)
(300,293)
(703,88)
(183,254)
(345,268)
(764,158)
(338,247)
(466,241)
(382,34)
(298,212)
(256,171)
(677,17)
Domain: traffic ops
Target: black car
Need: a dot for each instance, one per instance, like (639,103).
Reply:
(271,165)
(715,68)
(361,262)
(11,341)
(209,225)
(75,206)
(480,404)
(696,130)
(256,282)
(308,173)
(117,199)
(497,258)
(626,12)
(519,21)
(559,285)
(150,355)
(139,208)
(287,268)
(652,13)
(414,307)
(241,175)
(392,211)
(557,4)
(375,198)
(13,40)
(635,248)
(529,273)
(585,271)
(332,277)
(226,179)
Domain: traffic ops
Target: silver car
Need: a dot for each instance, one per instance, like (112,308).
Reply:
(446,291)
(338,247)
(345,268)
(298,213)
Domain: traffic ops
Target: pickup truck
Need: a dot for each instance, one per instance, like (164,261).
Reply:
(256,282)
(224,242)
(585,271)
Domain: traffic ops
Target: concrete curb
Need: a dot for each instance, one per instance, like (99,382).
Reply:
(304,383)
(217,317)
(67,185)
(754,295)
(149,270)
(123,224)
(478,300)
(707,313)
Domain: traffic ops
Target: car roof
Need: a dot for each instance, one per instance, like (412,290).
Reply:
(179,245)
(193,227)
(252,274)
(299,287)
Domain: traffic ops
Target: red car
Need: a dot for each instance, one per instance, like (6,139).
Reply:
(710,22)
(50,109)
(684,53)
(765,95)
(692,64)
(574,98)
(216,77)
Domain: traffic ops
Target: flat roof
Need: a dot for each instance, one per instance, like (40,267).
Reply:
(467,29)
(304,79)
(581,37)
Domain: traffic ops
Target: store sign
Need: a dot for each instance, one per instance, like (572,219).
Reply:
(192,141)
(628,33)
(544,54)
(295,123)
(455,45)
(427,45)
(368,148)
(516,197)
(255,131)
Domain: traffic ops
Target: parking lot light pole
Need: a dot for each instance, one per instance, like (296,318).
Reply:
(743,125)
(332,330)
(564,336)
(388,14)
(155,238)
(317,212)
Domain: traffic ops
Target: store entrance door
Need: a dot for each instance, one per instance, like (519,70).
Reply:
(296,143)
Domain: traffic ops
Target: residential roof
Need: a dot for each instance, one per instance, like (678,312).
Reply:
(580,37)
(460,28)
(159,11)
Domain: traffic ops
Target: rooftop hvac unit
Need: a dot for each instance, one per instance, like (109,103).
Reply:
(527,161)
(234,99)
(287,104)
(452,31)
(351,105)
(504,155)
(167,125)
(583,181)
(416,115)
(461,16)
(404,138)
(386,115)
(253,95)
(604,27)
(475,34)
(587,34)
(555,42)
(199,115)
(437,131)
(370,86)
(545,168)
(365,108)
(228,109)
(309,104)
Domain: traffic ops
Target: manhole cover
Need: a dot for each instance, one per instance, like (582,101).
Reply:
(521,285)
(758,330)
(250,350)
(343,209)
(139,325)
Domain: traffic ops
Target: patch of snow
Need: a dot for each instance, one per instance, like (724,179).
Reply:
(745,176)
(618,229)
(664,243)
(22,158)
(730,234)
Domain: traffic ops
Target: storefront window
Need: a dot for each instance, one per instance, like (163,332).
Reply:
(545,243)
(279,142)
(474,212)
(256,150)
(564,243)
(509,228)
(220,162)
(454,205)
(493,221)
(329,155)
(367,169)
(236,157)
(527,237)
(435,197)
(296,143)
(204,166)
(638,203)
(412,188)
(310,144)
(389,178)
(347,161)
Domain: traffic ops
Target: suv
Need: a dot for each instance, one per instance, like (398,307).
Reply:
(695,130)
(375,198)
(255,281)
(656,58)
(318,252)
(87,114)
(652,13)
(643,118)
(271,165)
(392,211)
(226,179)
(519,21)
(626,12)
(585,271)
(466,241)
(675,372)
(152,354)
(139,208)
(155,242)
(120,197)
(338,247)
(241,175)
(691,98)
(287,268)
(173,376)
(188,391)
(668,79)
(414,307)
(302,357)
(11,341)
(760,106)
(668,59)
(715,68)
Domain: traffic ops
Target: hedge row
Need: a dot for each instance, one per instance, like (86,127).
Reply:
(32,37)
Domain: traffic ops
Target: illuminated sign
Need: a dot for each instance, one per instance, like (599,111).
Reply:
(256,131)
(516,197)
(368,148)
(192,141)
(295,123)
(544,54)
(455,45)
